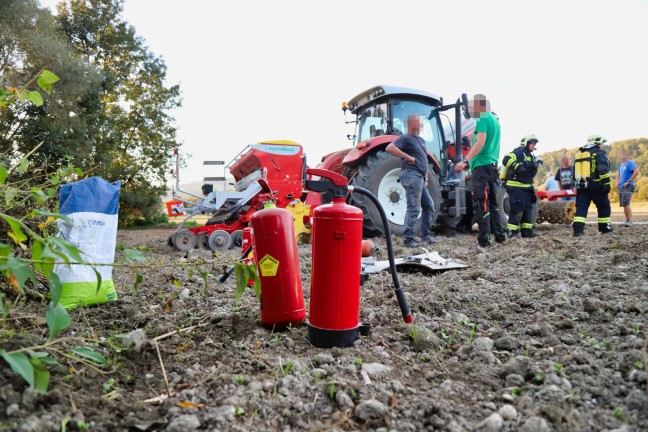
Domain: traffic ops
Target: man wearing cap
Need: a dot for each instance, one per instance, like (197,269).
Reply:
(521,166)
(482,159)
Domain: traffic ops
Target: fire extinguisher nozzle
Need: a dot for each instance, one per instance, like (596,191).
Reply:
(409,318)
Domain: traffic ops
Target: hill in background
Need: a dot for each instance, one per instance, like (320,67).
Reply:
(637,148)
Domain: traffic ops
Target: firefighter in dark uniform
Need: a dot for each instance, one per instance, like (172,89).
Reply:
(595,189)
(521,166)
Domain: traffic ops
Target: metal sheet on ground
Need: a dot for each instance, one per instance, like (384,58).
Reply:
(429,262)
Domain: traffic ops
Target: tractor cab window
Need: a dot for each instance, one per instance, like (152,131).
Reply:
(402,109)
(372,122)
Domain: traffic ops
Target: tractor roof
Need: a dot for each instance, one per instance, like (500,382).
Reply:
(383,91)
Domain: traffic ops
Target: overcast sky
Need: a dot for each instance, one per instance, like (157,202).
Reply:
(262,70)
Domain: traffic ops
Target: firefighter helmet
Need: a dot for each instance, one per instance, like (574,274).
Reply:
(596,139)
(528,139)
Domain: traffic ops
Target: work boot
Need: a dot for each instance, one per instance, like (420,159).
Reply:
(578,233)
(529,234)
(605,228)
(500,238)
(428,240)
(411,243)
(514,234)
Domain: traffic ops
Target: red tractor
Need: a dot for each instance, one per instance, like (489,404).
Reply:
(381,117)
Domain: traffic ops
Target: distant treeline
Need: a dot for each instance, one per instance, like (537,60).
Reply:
(637,148)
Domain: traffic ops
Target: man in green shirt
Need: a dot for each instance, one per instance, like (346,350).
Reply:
(483,157)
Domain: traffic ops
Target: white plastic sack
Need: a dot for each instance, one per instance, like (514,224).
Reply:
(92,205)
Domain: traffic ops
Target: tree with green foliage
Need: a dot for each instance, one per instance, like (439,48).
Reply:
(131,129)
(112,113)
(30,42)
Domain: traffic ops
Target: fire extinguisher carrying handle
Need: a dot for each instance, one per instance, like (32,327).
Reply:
(398,290)
(230,269)
(331,181)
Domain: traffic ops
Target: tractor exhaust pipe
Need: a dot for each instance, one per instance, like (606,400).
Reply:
(458,155)
(462,103)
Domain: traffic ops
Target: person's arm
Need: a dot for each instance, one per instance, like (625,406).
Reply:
(477,147)
(514,160)
(557,177)
(395,151)
(474,151)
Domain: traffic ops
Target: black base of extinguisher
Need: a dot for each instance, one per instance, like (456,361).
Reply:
(323,338)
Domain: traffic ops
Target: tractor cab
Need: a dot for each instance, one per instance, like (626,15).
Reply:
(383,111)
(381,116)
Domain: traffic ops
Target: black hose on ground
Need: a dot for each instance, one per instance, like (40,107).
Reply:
(398,290)
(230,269)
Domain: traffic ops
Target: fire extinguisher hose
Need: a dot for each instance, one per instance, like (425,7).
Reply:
(398,290)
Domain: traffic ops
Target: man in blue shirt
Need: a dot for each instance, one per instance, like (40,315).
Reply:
(628,171)
(551,184)
(410,147)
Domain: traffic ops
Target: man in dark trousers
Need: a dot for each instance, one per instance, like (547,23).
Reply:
(595,188)
(483,157)
(410,147)
(521,168)
(466,223)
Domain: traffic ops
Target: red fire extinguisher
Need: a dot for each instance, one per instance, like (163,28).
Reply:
(276,255)
(336,238)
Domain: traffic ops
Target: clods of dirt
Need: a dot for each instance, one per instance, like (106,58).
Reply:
(535,335)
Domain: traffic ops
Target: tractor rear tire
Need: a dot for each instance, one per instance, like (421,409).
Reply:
(379,173)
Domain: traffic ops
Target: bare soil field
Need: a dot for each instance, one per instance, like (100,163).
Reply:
(545,334)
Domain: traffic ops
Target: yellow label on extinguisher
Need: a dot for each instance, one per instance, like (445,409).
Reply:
(268,265)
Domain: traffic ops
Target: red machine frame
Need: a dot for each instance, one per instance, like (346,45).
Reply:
(275,165)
